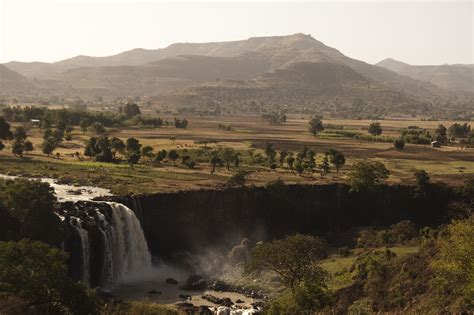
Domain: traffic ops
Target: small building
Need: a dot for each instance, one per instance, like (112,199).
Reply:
(35,122)
(435,144)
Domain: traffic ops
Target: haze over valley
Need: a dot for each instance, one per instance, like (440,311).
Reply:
(236,158)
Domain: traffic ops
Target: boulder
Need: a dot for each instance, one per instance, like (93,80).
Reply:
(195,283)
(171,281)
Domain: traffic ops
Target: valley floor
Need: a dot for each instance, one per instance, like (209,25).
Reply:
(248,136)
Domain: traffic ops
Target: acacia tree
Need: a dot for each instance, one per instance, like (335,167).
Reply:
(215,160)
(399,144)
(337,158)
(160,156)
(117,146)
(173,156)
(228,155)
(290,161)
(270,153)
(375,129)
(147,151)
(315,125)
(283,155)
(5,133)
(324,167)
(366,175)
(441,134)
(292,258)
(310,161)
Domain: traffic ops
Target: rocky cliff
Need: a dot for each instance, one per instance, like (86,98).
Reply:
(193,220)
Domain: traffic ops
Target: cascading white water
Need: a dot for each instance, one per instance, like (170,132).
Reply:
(129,254)
(84,236)
(125,253)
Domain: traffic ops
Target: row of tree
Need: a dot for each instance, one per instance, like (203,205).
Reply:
(18,138)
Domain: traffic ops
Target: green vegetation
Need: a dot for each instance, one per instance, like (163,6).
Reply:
(366,175)
(293,260)
(26,207)
(315,125)
(34,278)
(274,118)
(375,129)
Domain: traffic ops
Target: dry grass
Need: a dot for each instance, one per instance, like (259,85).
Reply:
(449,164)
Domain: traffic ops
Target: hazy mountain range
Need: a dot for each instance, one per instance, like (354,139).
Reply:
(268,69)
(449,77)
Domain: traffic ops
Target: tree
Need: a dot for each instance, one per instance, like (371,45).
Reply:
(38,273)
(283,155)
(18,148)
(459,130)
(298,166)
(227,154)
(160,156)
(90,149)
(292,258)
(130,110)
(290,160)
(5,133)
(441,134)
(422,180)
(147,151)
(133,146)
(133,159)
(375,129)
(28,146)
(19,134)
(2,146)
(31,204)
(183,124)
(399,144)
(215,160)
(238,179)
(325,169)
(366,175)
(103,152)
(84,124)
(315,125)
(337,158)
(270,153)
(173,156)
(99,128)
(48,146)
(454,268)
(310,161)
(274,118)
(117,146)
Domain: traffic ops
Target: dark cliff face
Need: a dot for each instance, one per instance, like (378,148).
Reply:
(194,220)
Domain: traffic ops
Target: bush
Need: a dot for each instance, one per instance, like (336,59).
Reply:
(38,273)
(29,207)
(238,178)
(399,144)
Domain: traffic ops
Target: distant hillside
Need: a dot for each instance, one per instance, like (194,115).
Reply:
(449,77)
(12,81)
(277,70)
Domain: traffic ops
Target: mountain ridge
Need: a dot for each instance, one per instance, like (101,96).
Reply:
(259,67)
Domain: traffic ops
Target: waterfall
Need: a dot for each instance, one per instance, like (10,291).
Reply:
(124,252)
(84,236)
(127,244)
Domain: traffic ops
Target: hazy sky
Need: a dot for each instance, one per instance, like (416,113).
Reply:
(421,32)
